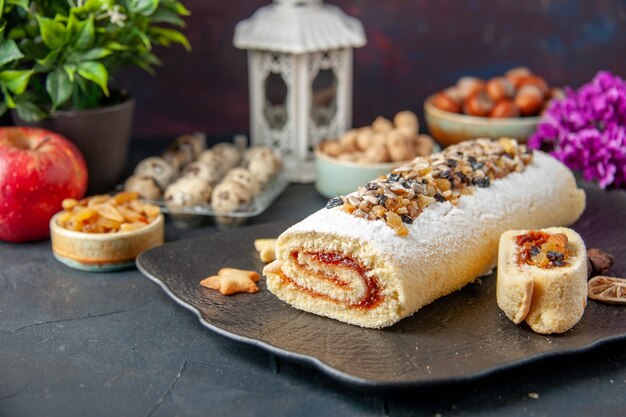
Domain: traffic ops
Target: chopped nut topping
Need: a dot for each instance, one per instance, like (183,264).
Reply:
(441,177)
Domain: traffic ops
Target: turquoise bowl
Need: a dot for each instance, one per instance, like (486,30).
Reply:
(450,128)
(336,177)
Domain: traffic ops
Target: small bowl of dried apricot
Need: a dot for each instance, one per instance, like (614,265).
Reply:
(505,106)
(104,232)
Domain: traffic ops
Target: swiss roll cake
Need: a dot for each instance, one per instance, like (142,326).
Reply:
(542,278)
(426,229)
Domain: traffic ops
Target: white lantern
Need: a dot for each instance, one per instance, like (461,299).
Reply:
(300,76)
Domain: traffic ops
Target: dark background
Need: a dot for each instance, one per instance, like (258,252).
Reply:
(414,48)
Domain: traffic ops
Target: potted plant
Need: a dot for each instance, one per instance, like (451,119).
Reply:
(56,61)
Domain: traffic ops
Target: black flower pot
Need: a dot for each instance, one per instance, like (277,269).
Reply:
(102,135)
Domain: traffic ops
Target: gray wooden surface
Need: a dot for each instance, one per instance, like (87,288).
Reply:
(113,344)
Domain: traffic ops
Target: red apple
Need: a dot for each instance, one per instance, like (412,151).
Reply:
(38,169)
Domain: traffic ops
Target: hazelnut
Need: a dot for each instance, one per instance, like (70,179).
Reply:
(515,75)
(407,120)
(536,81)
(600,261)
(382,124)
(479,104)
(445,102)
(468,86)
(504,109)
(454,93)
(499,88)
(557,93)
(529,100)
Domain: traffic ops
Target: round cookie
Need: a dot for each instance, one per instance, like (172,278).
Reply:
(423,145)
(245,178)
(145,186)
(191,145)
(365,138)
(382,124)
(407,122)
(175,159)
(229,153)
(213,160)
(400,146)
(261,170)
(206,172)
(187,192)
(228,196)
(262,153)
(157,168)
(377,154)
(330,147)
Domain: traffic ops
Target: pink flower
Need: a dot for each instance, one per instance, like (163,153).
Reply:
(587,130)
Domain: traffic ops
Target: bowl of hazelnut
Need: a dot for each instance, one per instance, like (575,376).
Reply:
(505,106)
(362,154)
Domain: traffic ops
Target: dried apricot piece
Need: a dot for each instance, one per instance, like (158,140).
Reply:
(69,203)
(127,227)
(107,224)
(123,197)
(84,214)
(110,212)
(130,215)
(151,210)
(97,199)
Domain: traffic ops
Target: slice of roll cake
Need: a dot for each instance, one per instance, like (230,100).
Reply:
(542,278)
(428,228)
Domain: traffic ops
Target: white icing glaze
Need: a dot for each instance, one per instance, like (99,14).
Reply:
(431,228)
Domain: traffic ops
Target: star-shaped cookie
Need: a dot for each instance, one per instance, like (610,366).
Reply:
(230,281)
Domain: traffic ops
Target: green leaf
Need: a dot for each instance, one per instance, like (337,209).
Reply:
(59,86)
(9,51)
(143,7)
(51,32)
(17,33)
(167,16)
(2,10)
(143,37)
(116,46)
(92,6)
(86,35)
(181,9)
(70,70)
(19,3)
(3,108)
(95,72)
(29,111)
(170,35)
(49,60)
(15,81)
(8,99)
(93,54)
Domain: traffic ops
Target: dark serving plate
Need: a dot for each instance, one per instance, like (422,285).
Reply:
(457,338)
